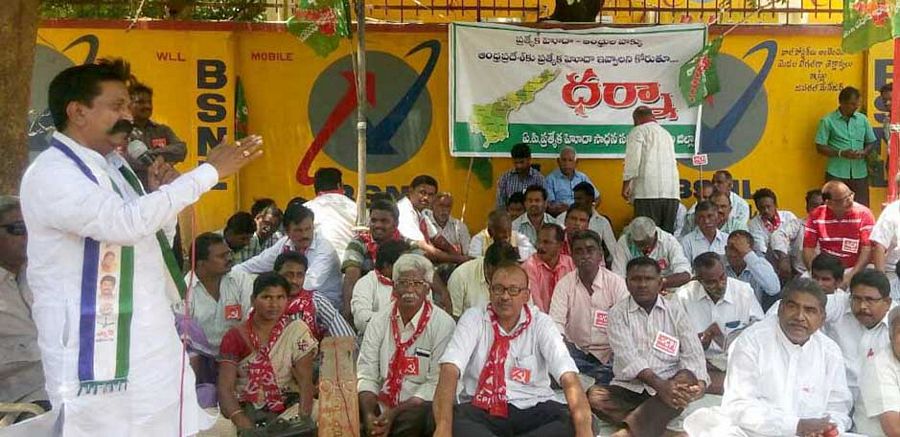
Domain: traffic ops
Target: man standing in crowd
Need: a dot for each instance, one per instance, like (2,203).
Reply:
(20,363)
(644,238)
(520,177)
(335,212)
(706,237)
(138,383)
(504,354)
(650,180)
(546,267)
(840,227)
(399,360)
(769,219)
(580,307)
(658,365)
(717,306)
(562,181)
(846,138)
(535,213)
(723,182)
(159,138)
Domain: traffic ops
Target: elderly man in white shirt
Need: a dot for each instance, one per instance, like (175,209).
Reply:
(706,237)
(335,212)
(861,328)
(643,238)
(127,378)
(324,274)
(419,227)
(786,377)
(399,360)
(499,228)
(469,283)
(724,183)
(878,410)
(718,306)
(451,228)
(650,180)
(374,291)
(658,360)
(504,354)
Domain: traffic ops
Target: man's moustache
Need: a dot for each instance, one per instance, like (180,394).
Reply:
(122,126)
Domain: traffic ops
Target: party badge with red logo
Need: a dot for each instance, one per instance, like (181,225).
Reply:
(662,263)
(233,312)
(601,319)
(666,344)
(520,375)
(158,142)
(410,366)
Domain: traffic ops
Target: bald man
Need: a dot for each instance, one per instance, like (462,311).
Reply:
(840,227)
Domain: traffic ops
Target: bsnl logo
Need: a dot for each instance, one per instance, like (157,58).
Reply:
(584,92)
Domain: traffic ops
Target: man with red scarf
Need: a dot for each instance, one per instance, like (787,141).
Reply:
(359,256)
(504,353)
(320,316)
(398,362)
(769,219)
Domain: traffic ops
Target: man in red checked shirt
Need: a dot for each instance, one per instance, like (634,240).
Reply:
(840,227)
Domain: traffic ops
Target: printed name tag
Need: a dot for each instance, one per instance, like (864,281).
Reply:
(410,366)
(601,319)
(424,353)
(158,142)
(233,312)
(850,245)
(520,375)
(666,344)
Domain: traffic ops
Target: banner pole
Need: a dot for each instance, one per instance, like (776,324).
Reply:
(894,139)
(466,192)
(361,102)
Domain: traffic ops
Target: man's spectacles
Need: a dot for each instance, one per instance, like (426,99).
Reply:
(498,290)
(15,228)
(410,283)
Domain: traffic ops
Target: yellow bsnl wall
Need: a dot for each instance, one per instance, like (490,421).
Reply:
(278,74)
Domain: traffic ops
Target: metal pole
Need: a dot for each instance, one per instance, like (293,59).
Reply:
(361,102)
(894,138)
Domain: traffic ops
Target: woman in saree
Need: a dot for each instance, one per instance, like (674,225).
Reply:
(266,363)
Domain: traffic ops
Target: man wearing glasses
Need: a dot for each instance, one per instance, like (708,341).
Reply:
(840,227)
(20,364)
(504,353)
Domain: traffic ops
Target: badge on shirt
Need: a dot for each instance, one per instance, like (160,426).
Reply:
(424,353)
(601,319)
(233,312)
(850,245)
(158,142)
(662,263)
(520,375)
(410,366)
(666,344)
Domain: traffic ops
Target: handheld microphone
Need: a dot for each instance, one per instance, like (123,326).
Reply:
(138,151)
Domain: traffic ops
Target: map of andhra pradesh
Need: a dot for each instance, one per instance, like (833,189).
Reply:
(492,120)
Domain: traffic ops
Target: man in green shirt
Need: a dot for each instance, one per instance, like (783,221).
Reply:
(846,138)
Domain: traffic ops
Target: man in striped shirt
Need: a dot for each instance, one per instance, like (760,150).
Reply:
(520,177)
(840,227)
(659,365)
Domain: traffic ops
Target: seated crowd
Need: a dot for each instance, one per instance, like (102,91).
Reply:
(542,323)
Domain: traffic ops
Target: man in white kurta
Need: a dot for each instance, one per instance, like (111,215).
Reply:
(785,377)
(62,206)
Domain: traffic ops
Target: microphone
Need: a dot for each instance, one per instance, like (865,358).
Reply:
(138,151)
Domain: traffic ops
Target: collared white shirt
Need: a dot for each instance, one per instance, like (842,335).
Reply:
(335,217)
(735,310)
(575,311)
(634,334)
(20,361)
(467,286)
(695,243)
(761,234)
(858,344)
(680,220)
(740,209)
(598,224)
(524,226)
(668,253)
(378,348)
(833,310)
(322,275)
(479,244)
(772,383)
(455,232)
(539,348)
(58,220)
(650,162)
(788,239)
(885,233)
(216,317)
(409,226)
(880,392)
(369,297)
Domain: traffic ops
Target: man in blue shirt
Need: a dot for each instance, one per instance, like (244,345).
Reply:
(748,266)
(846,138)
(560,182)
